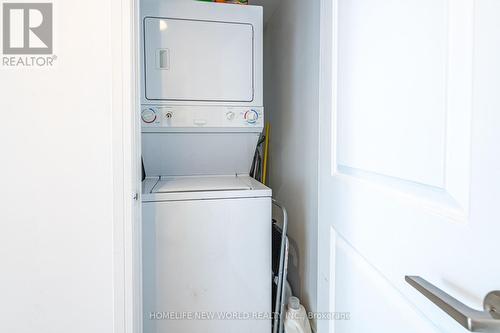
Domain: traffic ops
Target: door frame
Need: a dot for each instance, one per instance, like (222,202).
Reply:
(127,283)
(327,93)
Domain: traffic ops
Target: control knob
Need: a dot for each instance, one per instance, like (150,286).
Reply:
(148,116)
(251,116)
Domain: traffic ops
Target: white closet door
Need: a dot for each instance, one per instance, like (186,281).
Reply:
(410,169)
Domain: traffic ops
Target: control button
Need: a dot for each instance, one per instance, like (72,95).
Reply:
(168,115)
(230,115)
(148,116)
(251,116)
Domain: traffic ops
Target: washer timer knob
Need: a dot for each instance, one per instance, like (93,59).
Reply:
(148,116)
(251,116)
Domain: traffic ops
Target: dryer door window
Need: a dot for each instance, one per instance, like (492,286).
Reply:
(187,60)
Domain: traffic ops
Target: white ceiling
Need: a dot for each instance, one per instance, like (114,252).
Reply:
(269,7)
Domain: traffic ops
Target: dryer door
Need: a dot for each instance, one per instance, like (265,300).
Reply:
(192,60)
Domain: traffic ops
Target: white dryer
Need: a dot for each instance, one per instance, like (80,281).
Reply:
(220,46)
(206,255)
(202,87)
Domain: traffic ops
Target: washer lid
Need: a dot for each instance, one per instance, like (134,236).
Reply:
(201,184)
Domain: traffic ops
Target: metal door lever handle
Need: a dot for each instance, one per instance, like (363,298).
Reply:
(473,320)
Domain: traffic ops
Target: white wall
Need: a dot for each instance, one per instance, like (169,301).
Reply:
(291,100)
(56,176)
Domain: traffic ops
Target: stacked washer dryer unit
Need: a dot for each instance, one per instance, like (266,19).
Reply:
(206,223)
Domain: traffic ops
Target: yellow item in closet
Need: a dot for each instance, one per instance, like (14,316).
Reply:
(266,153)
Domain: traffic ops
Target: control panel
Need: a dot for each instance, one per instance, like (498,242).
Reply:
(198,117)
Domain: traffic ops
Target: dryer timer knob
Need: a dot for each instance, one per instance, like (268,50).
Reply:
(251,116)
(148,116)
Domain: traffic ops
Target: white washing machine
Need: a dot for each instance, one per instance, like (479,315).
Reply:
(206,224)
(206,255)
